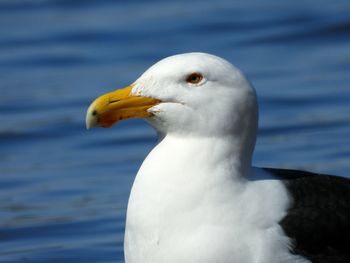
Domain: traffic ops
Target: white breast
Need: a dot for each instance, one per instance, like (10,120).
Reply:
(188,204)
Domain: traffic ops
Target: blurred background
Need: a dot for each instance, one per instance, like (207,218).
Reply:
(64,189)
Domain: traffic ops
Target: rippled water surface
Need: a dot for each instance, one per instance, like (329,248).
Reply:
(64,190)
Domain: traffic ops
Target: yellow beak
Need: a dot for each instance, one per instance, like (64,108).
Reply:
(118,105)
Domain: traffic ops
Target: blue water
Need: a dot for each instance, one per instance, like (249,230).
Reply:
(64,190)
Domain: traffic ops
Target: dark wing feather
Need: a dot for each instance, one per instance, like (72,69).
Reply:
(318,221)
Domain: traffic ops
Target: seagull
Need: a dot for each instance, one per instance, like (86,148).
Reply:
(196,197)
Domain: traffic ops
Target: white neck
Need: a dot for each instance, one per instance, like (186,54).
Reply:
(194,156)
(181,170)
(196,189)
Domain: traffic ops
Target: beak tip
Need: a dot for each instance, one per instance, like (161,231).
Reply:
(91,122)
(88,124)
(91,118)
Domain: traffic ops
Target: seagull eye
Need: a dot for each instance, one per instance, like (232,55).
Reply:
(194,78)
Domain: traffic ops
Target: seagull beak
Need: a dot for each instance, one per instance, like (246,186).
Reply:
(118,105)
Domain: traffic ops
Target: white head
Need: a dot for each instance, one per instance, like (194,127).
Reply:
(192,94)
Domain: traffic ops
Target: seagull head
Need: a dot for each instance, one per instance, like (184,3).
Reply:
(192,94)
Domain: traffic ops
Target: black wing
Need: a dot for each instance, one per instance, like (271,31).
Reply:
(318,221)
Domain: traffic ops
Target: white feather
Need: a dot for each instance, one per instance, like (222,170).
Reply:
(196,198)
